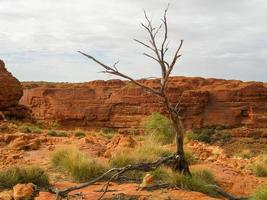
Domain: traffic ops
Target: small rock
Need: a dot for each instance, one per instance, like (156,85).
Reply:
(23,191)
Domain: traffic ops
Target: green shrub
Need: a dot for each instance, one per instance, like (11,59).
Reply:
(160,128)
(245,153)
(202,137)
(108,132)
(190,157)
(221,136)
(55,133)
(79,134)
(201,181)
(30,129)
(14,175)
(77,164)
(260,170)
(259,194)
(148,152)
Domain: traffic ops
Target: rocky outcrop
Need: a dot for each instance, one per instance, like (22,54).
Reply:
(120,104)
(10,94)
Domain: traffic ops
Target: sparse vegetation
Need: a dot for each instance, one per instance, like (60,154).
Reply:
(209,135)
(77,164)
(200,181)
(14,175)
(30,128)
(190,157)
(260,170)
(259,194)
(160,128)
(245,153)
(108,132)
(144,153)
(79,134)
(202,137)
(55,133)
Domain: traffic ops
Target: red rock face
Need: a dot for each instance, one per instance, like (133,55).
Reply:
(10,90)
(119,104)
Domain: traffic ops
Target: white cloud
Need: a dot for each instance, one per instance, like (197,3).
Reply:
(39,39)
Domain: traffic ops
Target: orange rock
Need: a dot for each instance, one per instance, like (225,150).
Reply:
(119,143)
(23,191)
(121,105)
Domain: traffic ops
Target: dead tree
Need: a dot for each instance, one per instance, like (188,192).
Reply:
(158,53)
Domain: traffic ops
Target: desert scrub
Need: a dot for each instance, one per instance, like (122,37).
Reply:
(147,152)
(160,128)
(259,194)
(245,153)
(108,132)
(259,168)
(14,175)
(30,129)
(79,134)
(202,137)
(55,133)
(190,157)
(201,181)
(77,164)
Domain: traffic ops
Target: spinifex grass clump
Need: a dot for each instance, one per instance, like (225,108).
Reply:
(14,175)
(160,128)
(150,151)
(259,194)
(56,133)
(26,128)
(77,164)
(260,166)
(201,181)
(79,134)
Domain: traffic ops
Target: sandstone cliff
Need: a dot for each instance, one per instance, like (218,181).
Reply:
(120,104)
(10,93)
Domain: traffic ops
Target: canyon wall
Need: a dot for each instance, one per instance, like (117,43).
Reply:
(120,104)
(10,94)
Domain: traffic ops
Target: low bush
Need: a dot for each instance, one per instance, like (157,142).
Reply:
(14,175)
(202,137)
(55,133)
(245,153)
(160,128)
(77,164)
(108,132)
(79,134)
(190,157)
(259,194)
(30,129)
(201,181)
(260,170)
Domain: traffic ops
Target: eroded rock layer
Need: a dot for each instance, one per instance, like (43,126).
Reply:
(10,94)
(120,104)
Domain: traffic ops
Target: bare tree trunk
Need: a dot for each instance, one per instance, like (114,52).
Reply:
(158,55)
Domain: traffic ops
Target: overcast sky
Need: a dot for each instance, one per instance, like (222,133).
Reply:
(39,39)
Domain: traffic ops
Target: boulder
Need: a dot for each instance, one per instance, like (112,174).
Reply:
(10,94)
(23,191)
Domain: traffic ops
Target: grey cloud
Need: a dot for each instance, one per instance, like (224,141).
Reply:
(224,39)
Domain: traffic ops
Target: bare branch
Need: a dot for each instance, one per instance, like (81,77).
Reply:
(144,44)
(110,70)
(145,54)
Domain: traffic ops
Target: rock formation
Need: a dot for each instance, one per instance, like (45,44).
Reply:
(10,94)
(120,104)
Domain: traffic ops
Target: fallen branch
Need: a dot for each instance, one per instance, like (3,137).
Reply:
(116,172)
(226,194)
